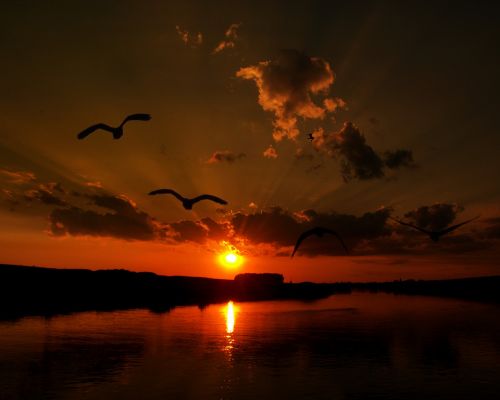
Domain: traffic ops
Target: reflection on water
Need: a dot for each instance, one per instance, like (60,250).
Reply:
(229,312)
(358,346)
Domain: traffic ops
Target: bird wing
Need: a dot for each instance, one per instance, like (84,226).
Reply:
(337,236)
(301,238)
(209,197)
(136,117)
(83,134)
(167,191)
(453,227)
(411,225)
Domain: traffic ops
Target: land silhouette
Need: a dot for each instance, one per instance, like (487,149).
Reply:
(49,291)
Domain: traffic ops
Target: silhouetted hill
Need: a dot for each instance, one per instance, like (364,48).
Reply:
(35,290)
(46,291)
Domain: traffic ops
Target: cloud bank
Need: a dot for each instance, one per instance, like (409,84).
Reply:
(286,87)
(92,211)
(358,160)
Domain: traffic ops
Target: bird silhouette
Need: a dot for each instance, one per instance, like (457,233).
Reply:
(116,131)
(188,203)
(435,235)
(310,136)
(320,232)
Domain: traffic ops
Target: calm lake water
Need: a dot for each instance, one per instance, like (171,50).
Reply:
(359,346)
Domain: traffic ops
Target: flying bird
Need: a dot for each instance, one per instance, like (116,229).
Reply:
(310,136)
(116,131)
(435,235)
(320,232)
(188,203)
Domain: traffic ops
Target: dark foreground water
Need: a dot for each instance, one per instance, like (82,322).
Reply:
(358,346)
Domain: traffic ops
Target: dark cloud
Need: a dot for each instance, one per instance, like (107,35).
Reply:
(286,85)
(48,194)
(398,158)
(188,231)
(434,217)
(198,231)
(91,211)
(225,156)
(358,160)
(281,228)
(121,219)
(272,226)
(367,234)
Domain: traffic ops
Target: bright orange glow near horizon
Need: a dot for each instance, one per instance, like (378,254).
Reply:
(230,260)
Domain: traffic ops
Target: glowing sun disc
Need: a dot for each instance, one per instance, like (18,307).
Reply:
(230,260)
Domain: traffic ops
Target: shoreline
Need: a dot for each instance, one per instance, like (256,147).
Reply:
(31,291)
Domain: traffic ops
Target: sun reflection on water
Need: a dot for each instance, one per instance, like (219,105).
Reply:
(229,311)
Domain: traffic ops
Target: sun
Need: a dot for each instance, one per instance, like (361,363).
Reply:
(230,259)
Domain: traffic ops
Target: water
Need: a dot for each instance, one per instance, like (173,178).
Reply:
(359,346)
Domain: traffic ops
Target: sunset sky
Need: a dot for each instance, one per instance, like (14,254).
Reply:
(401,101)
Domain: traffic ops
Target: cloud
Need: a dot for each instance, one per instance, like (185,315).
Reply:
(371,233)
(398,158)
(225,156)
(189,39)
(270,152)
(334,103)
(281,228)
(199,232)
(120,219)
(231,35)
(274,231)
(92,211)
(95,184)
(18,177)
(358,160)
(435,217)
(46,194)
(286,85)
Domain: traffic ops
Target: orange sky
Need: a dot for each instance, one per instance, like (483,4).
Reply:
(401,104)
